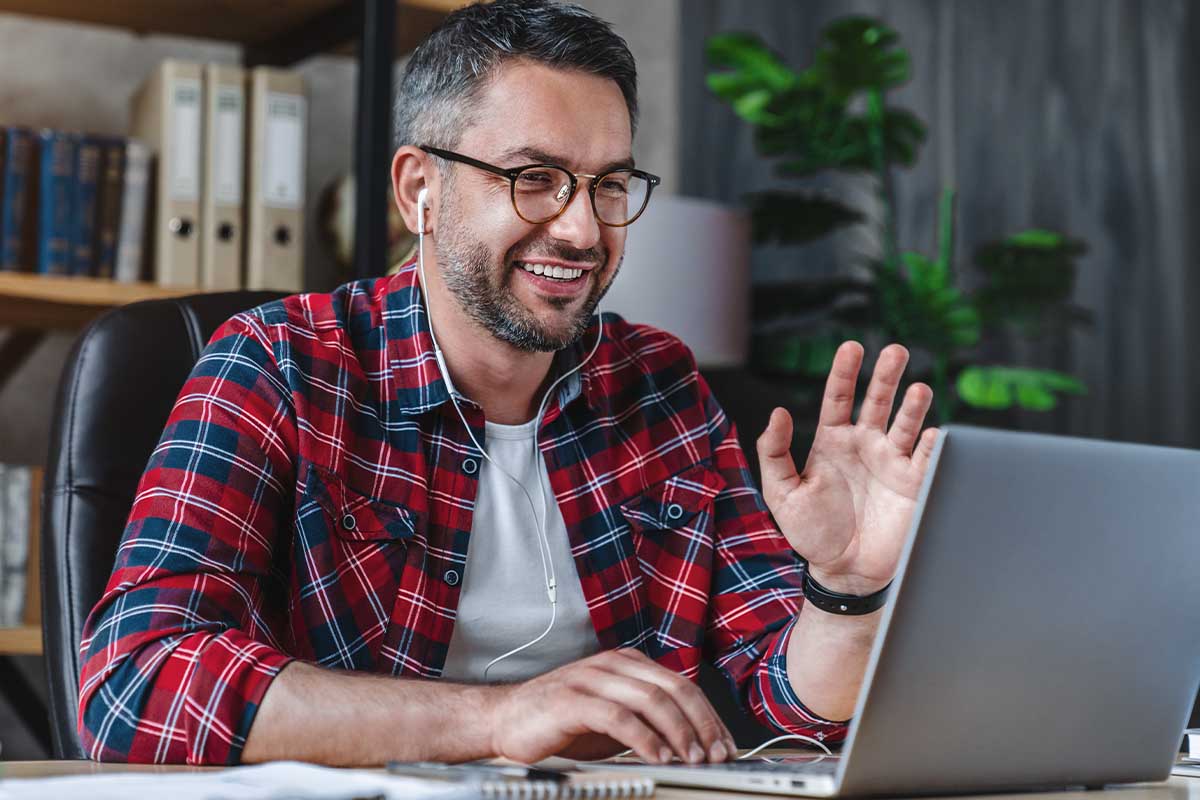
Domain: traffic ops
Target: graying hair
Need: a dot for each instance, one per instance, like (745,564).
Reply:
(447,72)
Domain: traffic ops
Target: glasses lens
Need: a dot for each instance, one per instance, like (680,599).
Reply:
(540,192)
(620,196)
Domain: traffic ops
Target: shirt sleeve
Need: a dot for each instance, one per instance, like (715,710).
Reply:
(183,644)
(756,593)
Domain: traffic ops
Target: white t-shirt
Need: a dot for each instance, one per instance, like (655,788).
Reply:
(503,602)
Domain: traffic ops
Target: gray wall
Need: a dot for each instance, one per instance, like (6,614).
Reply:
(1072,115)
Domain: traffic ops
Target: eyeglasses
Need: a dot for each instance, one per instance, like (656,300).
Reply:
(541,192)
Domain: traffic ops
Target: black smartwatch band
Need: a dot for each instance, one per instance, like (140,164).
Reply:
(838,603)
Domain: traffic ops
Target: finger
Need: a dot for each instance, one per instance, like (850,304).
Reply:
(906,427)
(881,393)
(924,451)
(620,723)
(687,695)
(775,462)
(651,702)
(841,385)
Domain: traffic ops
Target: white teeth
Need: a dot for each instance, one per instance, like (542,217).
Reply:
(551,272)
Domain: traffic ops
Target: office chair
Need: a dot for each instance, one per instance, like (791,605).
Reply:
(118,387)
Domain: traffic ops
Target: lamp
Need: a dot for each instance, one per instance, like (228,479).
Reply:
(687,271)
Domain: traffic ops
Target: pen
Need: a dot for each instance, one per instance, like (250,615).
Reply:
(472,770)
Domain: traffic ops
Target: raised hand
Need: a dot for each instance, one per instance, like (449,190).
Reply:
(848,512)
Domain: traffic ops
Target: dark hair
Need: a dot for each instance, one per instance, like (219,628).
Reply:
(447,72)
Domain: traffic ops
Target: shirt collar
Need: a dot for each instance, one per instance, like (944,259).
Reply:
(419,383)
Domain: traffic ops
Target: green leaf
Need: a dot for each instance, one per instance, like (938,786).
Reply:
(1028,278)
(796,218)
(1000,388)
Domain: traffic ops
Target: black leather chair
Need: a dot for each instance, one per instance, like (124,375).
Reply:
(117,389)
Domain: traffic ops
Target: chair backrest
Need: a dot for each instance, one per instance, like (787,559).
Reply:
(117,389)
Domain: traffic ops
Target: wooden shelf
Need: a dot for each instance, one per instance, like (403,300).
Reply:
(25,640)
(244,22)
(47,303)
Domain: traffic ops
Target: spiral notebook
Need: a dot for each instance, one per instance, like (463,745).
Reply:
(489,781)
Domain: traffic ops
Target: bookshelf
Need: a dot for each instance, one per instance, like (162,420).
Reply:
(270,32)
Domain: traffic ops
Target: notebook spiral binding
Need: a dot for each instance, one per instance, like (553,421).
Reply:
(583,789)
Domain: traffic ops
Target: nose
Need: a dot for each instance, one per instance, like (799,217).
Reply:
(577,223)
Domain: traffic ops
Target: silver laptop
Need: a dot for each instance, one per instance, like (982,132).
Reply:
(1044,629)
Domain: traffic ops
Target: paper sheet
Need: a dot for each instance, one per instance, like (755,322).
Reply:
(275,781)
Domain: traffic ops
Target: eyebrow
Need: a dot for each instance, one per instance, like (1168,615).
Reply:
(542,157)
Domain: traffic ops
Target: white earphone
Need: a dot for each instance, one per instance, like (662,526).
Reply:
(543,540)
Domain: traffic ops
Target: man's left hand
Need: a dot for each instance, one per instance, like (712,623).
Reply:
(848,512)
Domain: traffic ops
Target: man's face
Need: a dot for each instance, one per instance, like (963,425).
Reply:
(533,114)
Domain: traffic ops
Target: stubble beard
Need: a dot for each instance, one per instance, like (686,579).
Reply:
(484,291)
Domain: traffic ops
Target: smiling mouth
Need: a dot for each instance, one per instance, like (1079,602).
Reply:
(561,274)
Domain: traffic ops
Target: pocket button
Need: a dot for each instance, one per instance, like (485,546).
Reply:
(349,522)
(674,511)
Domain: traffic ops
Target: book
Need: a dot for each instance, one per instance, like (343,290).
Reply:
(112,181)
(16,200)
(88,152)
(14,533)
(56,192)
(135,185)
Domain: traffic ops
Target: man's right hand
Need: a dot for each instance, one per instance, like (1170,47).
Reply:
(598,706)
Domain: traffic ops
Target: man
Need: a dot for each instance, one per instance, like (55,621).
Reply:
(296,573)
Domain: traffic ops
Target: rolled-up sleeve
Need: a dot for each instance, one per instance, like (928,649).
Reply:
(756,594)
(182,646)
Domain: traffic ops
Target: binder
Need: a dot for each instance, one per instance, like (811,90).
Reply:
(167,117)
(56,196)
(222,185)
(135,196)
(275,185)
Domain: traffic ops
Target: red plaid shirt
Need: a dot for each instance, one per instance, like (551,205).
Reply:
(312,494)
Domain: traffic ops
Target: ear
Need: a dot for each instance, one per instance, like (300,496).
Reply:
(412,171)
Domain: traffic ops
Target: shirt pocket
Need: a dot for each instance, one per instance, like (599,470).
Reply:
(673,530)
(348,560)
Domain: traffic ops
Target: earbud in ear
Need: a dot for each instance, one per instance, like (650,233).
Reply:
(422,204)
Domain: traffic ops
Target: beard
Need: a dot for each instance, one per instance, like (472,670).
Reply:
(482,284)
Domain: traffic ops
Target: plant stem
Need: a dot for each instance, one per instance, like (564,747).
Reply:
(875,106)
(943,392)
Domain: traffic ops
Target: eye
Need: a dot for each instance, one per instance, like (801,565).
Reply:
(536,179)
(614,185)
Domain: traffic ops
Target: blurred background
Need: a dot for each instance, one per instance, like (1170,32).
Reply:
(1006,188)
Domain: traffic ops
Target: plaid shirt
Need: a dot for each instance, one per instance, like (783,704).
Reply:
(312,495)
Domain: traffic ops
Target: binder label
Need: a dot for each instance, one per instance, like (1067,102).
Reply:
(228,146)
(283,156)
(184,153)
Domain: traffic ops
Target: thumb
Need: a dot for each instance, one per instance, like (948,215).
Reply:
(775,456)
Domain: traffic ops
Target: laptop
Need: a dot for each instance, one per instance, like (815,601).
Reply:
(1043,630)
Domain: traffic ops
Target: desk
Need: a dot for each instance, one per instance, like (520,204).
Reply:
(1173,789)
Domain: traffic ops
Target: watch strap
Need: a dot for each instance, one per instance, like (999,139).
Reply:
(838,603)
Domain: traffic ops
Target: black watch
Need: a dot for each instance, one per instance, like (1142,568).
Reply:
(838,603)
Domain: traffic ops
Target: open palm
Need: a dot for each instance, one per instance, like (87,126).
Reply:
(848,512)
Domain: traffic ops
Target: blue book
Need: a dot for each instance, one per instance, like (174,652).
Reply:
(56,193)
(16,195)
(88,152)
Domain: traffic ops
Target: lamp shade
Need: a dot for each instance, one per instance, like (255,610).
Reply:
(687,271)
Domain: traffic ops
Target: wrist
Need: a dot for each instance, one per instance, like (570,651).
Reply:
(845,583)
(491,706)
